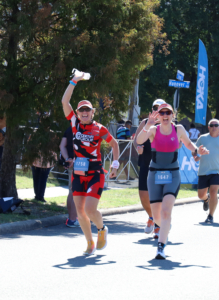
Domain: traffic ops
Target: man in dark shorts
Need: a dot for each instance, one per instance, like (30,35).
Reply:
(144,152)
(66,148)
(208,173)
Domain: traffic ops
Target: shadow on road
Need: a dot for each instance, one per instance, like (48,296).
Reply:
(83,261)
(207,224)
(153,242)
(166,264)
(115,227)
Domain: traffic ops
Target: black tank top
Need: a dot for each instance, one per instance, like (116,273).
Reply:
(145,158)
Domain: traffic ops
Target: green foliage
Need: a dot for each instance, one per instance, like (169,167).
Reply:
(185,22)
(40,42)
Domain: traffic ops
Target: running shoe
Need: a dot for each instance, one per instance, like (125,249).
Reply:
(156,232)
(209,219)
(160,253)
(71,223)
(206,204)
(102,238)
(149,227)
(90,248)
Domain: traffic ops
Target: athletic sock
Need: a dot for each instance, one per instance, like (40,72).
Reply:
(161,245)
(151,218)
(101,228)
(156,226)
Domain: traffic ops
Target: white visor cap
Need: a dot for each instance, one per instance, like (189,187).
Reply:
(158,102)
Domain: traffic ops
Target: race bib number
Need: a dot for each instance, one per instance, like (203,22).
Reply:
(81,165)
(163,177)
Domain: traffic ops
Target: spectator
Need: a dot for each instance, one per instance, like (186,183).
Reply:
(66,148)
(41,166)
(208,173)
(2,136)
(123,133)
(40,172)
(193,132)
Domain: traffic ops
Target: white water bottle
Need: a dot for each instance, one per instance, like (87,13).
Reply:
(86,76)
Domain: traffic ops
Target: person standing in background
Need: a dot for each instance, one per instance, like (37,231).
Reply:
(40,173)
(123,133)
(66,148)
(2,136)
(193,132)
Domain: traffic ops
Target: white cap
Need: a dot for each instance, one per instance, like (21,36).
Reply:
(158,102)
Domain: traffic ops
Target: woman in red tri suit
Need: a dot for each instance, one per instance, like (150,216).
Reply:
(88,175)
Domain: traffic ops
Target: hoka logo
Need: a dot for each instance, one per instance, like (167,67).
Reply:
(191,164)
(200,88)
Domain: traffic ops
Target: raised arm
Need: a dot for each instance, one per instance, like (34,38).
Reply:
(67,108)
(144,135)
(151,121)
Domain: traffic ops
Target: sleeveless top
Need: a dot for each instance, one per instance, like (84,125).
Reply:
(165,151)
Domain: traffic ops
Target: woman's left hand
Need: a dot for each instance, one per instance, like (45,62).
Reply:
(202,150)
(113,173)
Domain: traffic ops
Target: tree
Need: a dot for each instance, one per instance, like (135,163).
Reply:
(184,23)
(40,42)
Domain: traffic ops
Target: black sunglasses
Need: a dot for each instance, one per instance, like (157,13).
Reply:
(168,113)
(214,125)
(155,108)
(87,109)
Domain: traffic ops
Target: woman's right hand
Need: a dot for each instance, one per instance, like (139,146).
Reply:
(152,118)
(78,78)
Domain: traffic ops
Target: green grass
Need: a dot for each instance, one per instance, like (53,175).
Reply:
(25,180)
(123,197)
(57,205)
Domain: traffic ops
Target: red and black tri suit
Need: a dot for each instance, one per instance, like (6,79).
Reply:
(87,140)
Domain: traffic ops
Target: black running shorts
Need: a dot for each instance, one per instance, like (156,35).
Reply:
(143,175)
(205,181)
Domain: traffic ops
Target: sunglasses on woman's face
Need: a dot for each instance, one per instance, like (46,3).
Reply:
(168,113)
(214,125)
(87,109)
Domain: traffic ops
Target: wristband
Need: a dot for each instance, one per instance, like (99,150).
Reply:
(73,82)
(138,147)
(144,129)
(195,152)
(115,164)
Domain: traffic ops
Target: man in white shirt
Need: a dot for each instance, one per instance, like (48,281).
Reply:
(193,132)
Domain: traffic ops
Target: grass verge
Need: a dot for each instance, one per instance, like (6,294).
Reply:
(57,205)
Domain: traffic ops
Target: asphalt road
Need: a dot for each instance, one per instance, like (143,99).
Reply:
(48,263)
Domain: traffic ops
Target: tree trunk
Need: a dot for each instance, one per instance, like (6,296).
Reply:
(8,168)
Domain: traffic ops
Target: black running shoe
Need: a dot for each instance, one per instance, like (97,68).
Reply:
(206,204)
(209,219)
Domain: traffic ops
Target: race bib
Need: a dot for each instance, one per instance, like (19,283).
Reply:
(163,177)
(81,165)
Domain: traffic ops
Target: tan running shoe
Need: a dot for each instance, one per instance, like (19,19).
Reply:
(90,248)
(102,238)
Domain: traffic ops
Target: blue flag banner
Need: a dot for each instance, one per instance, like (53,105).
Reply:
(188,166)
(202,86)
